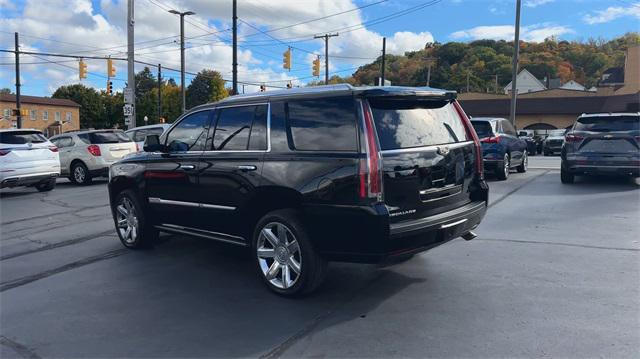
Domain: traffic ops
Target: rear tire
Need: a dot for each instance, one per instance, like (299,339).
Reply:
(46,186)
(525,163)
(132,226)
(503,167)
(285,258)
(80,174)
(566,176)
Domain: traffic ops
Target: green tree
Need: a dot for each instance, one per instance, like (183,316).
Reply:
(91,102)
(5,91)
(207,86)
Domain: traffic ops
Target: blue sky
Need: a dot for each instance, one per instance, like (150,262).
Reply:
(97,27)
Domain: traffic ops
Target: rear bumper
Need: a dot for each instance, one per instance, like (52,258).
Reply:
(630,167)
(27,180)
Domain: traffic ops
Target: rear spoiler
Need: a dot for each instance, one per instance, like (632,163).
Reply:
(410,92)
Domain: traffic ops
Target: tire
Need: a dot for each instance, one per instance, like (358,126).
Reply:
(525,163)
(277,261)
(46,186)
(566,176)
(502,168)
(132,226)
(80,174)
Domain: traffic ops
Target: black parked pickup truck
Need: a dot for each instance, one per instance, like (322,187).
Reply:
(306,176)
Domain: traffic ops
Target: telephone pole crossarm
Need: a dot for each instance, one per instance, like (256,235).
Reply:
(326,54)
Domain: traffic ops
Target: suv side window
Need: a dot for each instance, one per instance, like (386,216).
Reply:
(322,125)
(508,128)
(63,142)
(241,128)
(190,134)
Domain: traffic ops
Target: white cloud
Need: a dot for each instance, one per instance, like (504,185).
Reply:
(536,3)
(536,33)
(611,13)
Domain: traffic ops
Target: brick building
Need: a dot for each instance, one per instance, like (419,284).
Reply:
(49,115)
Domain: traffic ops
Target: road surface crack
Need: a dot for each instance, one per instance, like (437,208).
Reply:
(22,350)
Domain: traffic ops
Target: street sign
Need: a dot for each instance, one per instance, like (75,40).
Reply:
(128,95)
(127,121)
(128,110)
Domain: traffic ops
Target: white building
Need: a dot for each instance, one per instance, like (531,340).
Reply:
(573,85)
(526,82)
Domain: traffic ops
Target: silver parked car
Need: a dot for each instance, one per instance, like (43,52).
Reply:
(88,154)
(139,134)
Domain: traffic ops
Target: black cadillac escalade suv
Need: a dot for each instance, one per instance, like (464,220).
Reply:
(306,176)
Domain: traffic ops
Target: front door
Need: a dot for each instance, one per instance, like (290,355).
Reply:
(171,178)
(231,167)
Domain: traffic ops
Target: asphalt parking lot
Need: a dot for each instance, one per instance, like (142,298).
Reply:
(554,272)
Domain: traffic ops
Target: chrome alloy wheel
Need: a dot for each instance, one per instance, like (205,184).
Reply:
(279,255)
(79,174)
(507,165)
(525,161)
(127,220)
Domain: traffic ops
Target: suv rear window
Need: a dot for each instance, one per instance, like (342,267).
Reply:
(108,137)
(327,124)
(21,137)
(408,123)
(483,128)
(608,123)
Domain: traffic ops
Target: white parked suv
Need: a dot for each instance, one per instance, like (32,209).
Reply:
(139,134)
(88,154)
(27,158)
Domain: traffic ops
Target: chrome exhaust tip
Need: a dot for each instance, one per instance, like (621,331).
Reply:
(469,236)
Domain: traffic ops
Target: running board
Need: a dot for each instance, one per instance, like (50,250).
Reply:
(220,237)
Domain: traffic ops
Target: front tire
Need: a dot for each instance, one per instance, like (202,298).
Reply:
(525,163)
(133,229)
(46,186)
(80,174)
(286,260)
(503,167)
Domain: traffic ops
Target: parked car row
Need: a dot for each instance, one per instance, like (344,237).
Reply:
(28,158)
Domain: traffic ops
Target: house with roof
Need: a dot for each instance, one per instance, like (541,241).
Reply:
(525,82)
(49,115)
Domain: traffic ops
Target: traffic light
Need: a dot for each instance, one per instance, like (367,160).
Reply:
(286,61)
(111,70)
(316,67)
(109,87)
(82,67)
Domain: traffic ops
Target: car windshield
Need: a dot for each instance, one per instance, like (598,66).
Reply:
(108,137)
(608,123)
(483,128)
(22,137)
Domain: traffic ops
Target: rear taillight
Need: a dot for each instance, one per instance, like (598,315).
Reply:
(471,133)
(4,152)
(94,150)
(570,137)
(137,147)
(490,140)
(53,148)
(370,173)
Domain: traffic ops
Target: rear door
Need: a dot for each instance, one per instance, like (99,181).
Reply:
(606,138)
(113,144)
(231,167)
(65,147)
(428,158)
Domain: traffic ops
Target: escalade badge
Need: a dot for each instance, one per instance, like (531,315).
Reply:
(443,151)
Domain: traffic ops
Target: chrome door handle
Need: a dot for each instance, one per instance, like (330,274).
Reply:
(247,168)
(187,167)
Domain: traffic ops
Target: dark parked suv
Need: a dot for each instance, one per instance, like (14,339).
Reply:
(602,144)
(306,176)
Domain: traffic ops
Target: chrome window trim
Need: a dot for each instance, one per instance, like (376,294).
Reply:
(157,200)
(430,147)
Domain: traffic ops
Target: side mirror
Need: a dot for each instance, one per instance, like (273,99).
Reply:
(152,144)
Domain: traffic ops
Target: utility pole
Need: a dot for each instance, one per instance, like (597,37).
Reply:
(468,74)
(326,54)
(182,15)
(496,87)
(234,63)
(430,62)
(130,95)
(159,91)
(17,54)
(516,60)
(384,53)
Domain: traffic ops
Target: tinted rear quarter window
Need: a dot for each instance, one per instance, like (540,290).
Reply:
(483,128)
(406,123)
(327,124)
(108,137)
(21,137)
(608,123)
